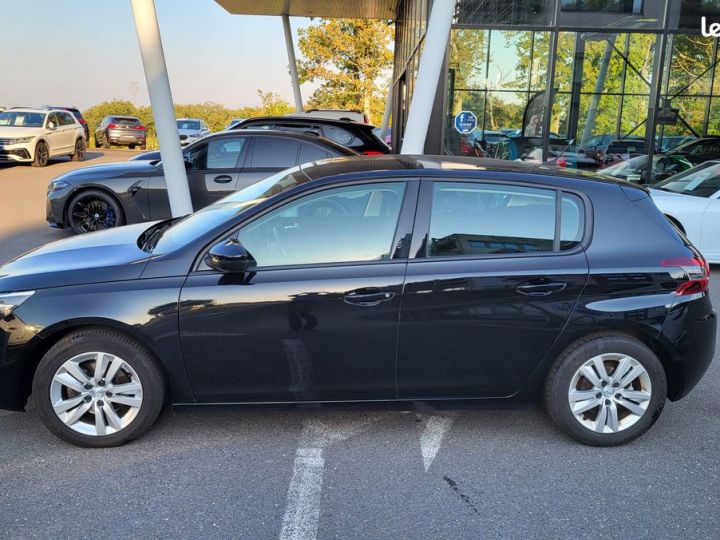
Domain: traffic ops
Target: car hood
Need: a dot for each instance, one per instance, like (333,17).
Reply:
(111,255)
(109,170)
(11,132)
(659,194)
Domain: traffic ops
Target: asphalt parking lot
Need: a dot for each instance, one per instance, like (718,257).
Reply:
(350,472)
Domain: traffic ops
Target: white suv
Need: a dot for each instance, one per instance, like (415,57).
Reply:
(36,135)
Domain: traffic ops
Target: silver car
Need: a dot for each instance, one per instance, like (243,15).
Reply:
(191,129)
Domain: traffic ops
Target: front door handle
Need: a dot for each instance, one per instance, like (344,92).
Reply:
(540,287)
(367,297)
(223,179)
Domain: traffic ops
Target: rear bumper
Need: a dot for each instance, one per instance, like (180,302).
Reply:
(691,331)
(125,138)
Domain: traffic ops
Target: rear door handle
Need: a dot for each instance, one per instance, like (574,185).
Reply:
(540,287)
(223,179)
(367,297)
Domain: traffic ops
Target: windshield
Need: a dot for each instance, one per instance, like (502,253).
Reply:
(188,124)
(22,119)
(633,165)
(702,181)
(195,225)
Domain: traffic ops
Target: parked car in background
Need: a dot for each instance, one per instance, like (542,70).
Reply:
(699,150)
(691,200)
(78,116)
(668,142)
(358,137)
(36,135)
(120,131)
(191,129)
(636,169)
(368,279)
(233,122)
(334,114)
(107,196)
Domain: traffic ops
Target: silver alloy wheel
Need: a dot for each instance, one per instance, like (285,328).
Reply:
(96,393)
(609,393)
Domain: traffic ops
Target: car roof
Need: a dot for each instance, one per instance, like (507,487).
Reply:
(198,119)
(399,165)
(30,109)
(278,133)
(306,120)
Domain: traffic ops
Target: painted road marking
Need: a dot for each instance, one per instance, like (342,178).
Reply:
(302,512)
(436,427)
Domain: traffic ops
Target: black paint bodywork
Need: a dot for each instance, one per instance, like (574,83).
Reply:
(451,328)
(139,185)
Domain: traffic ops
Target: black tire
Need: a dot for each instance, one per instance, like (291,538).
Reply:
(132,147)
(105,143)
(115,343)
(79,154)
(42,155)
(86,205)
(97,143)
(557,387)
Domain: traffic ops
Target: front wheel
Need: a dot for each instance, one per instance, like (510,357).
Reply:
(79,154)
(93,210)
(98,388)
(42,155)
(606,390)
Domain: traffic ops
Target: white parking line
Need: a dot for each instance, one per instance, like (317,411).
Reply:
(431,439)
(302,512)
(303,500)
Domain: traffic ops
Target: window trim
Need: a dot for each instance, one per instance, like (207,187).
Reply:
(421,231)
(399,247)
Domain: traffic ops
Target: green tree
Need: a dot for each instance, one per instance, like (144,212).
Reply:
(351,58)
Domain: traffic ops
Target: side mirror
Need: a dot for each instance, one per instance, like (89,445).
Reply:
(230,257)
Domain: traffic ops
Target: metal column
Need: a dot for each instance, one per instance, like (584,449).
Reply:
(292,63)
(158,84)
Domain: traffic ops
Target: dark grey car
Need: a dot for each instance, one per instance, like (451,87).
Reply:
(107,196)
(120,131)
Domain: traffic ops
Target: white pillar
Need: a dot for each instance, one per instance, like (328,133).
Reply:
(292,63)
(386,114)
(156,76)
(429,71)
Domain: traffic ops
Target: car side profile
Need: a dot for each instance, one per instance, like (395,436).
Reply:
(36,135)
(107,196)
(390,278)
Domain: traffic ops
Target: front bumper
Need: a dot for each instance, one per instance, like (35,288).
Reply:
(15,382)
(55,208)
(16,152)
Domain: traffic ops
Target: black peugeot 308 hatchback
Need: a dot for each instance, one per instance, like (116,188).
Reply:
(389,278)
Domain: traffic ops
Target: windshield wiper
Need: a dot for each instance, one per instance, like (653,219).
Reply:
(149,239)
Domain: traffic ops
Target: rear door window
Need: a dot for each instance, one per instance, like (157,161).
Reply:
(474,219)
(273,153)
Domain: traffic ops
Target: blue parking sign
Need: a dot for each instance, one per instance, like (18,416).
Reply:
(465,121)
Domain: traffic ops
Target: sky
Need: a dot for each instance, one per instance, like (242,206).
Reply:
(83,52)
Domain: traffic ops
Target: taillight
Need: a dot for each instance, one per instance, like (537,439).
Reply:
(373,153)
(112,126)
(82,121)
(698,271)
(561,162)
(138,127)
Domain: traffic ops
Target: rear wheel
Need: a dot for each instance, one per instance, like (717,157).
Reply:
(93,210)
(98,388)
(79,154)
(42,155)
(606,390)
(105,143)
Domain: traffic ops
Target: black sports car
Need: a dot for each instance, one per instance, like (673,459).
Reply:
(107,196)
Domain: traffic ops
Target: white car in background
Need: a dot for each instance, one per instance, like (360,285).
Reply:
(191,130)
(36,135)
(691,200)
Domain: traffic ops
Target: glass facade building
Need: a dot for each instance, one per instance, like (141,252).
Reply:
(609,70)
